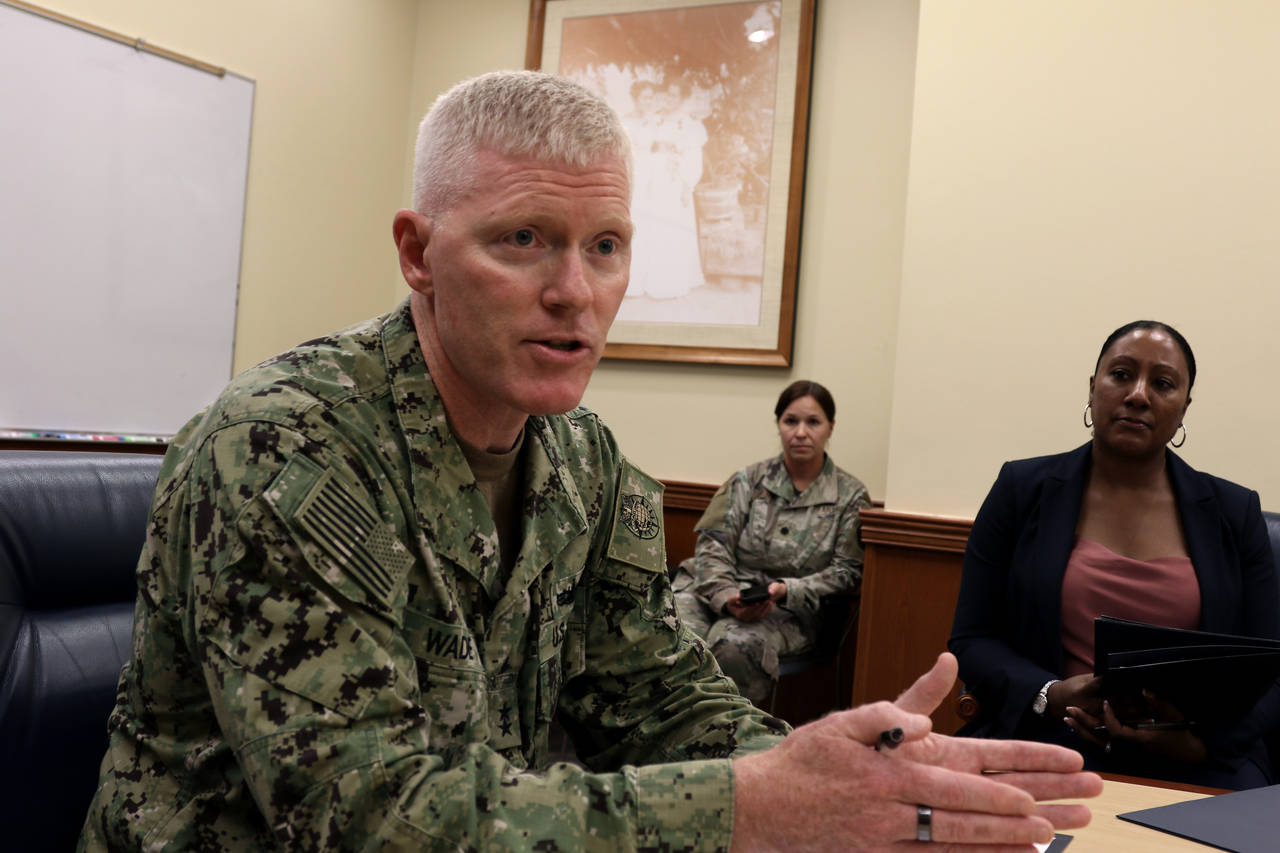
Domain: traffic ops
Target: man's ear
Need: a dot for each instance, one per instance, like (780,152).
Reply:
(412,231)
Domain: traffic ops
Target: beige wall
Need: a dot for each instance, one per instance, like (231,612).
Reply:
(326,159)
(1071,167)
(455,41)
(701,423)
(340,89)
(1075,166)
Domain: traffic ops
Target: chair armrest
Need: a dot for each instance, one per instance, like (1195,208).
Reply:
(968,708)
(837,614)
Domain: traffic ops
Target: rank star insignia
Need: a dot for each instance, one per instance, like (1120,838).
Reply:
(639,516)
(504,718)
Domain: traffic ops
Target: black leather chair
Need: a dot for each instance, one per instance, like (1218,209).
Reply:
(828,665)
(71,528)
(826,662)
(1273,531)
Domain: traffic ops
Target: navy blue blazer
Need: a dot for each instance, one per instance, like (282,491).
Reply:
(1007,632)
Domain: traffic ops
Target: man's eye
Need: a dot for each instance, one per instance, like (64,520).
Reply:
(522,237)
(607,246)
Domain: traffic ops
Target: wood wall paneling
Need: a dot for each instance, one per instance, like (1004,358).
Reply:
(682,505)
(910,582)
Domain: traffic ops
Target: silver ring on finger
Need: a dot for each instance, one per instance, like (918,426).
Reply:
(924,823)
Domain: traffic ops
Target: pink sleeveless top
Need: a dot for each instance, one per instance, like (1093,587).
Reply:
(1100,582)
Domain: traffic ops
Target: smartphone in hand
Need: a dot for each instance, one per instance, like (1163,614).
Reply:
(754,594)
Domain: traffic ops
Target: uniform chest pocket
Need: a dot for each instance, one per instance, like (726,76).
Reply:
(561,642)
(557,615)
(760,514)
(822,514)
(452,684)
(802,530)
(757,531)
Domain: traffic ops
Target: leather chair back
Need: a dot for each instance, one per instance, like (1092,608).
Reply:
(1273,532)
(71,528)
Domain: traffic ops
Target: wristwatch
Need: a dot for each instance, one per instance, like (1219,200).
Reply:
(1041,702)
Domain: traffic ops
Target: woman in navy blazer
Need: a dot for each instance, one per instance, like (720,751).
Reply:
(1127,491)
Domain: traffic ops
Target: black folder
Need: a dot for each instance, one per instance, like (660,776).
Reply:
(1245,821)
(1210,678)
(1058,844)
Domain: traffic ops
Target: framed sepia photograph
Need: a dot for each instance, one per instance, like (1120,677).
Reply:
(715,97)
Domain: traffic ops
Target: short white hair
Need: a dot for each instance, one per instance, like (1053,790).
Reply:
(512,113)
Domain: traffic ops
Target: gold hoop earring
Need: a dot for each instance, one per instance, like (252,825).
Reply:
(1088,424)
(1184,437)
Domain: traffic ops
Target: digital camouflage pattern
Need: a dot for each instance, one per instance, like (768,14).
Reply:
(327,656)
(758,529)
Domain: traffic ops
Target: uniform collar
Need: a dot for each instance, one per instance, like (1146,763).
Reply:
(450,508)
(823,490)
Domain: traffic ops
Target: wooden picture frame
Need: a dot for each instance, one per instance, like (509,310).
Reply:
(715,95)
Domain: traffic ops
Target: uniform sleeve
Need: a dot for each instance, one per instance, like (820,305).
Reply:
(844,573)
(651,691)
(715,554)
(299,565)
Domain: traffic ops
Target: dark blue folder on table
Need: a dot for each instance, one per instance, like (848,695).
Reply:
(1244,821)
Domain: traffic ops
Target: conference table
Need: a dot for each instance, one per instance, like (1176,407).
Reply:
(1122,794)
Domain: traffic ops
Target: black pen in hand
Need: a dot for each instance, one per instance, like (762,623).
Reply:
(890,738)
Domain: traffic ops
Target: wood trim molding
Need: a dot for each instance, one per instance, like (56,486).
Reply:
(901,630)
(679,494)
(923,532)
(533,39)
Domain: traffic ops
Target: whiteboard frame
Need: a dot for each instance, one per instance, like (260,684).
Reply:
(122,210)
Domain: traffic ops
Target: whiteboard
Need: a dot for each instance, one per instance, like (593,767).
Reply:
(122,190)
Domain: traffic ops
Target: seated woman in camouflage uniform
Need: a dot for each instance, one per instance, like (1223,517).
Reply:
(789,524)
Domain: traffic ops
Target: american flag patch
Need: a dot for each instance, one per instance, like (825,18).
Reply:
(353,535)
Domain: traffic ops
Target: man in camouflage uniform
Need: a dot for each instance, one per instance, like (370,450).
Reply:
(379,563)
(758,529)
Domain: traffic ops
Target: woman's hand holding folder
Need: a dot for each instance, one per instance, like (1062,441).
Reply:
(1156,728)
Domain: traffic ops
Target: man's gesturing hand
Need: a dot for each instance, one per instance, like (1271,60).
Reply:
(825,788)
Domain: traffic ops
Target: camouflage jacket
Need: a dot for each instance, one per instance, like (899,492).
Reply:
(326,655)
(758,529)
